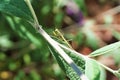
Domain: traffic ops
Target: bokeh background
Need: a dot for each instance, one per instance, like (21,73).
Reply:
(87,25)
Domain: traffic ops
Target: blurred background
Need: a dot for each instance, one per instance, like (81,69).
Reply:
(87,25)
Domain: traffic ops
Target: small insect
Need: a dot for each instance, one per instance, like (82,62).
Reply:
(60,36)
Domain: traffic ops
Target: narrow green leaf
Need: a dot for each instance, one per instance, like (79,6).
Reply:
(116,34)
(66,68)
(93,71)
(117,74)
(105,49)
(25,30)
(116,56)
(16,7)
(102,73)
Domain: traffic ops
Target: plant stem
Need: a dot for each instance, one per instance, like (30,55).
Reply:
(105,67)
(86,57)
(71,50)
(32,11)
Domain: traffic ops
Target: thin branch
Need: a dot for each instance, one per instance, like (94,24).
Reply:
(107,68)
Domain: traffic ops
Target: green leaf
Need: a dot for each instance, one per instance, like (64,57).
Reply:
(116,56)
(106,49)
(40,55)
(116,34)
(65,67)
(94,71)
(102,73)
(16,7)
(25,30)
(117,74)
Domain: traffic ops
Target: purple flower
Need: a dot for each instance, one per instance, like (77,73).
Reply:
(73,11)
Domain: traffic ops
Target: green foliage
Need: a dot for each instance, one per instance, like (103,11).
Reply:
(35,75)
(20,75)
(82,6)
(106,49)
(80,38)
(94,71)
(116,34)
(116,56)
(25,30)
(16,8)
(58,18)
(23,59)
(66,67)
